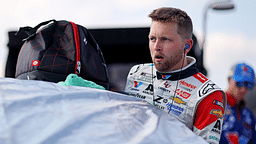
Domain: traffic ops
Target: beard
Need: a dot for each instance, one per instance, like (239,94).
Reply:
(169,62)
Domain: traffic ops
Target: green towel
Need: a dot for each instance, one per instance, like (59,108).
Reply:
(75,80)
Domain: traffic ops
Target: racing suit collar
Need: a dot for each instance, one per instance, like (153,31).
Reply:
(187,71)
(232,101)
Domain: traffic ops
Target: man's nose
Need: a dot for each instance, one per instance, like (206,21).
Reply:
(243,89)
(158,45)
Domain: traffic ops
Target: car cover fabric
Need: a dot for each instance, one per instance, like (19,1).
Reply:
(44,112)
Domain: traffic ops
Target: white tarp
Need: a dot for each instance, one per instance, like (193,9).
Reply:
(34,112)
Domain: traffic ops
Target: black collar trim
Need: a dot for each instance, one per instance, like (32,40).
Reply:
(175,75)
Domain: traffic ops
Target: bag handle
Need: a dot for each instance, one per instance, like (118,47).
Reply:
(31,32)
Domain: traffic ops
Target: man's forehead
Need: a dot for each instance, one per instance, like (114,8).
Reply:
(163,28)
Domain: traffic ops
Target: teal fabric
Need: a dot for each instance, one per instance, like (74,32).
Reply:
(75,80)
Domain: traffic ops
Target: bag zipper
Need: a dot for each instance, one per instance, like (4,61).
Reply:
(77,42)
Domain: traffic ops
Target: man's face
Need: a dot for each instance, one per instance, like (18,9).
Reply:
(238,93)
(166,46)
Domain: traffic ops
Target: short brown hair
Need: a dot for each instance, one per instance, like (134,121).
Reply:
(168,14)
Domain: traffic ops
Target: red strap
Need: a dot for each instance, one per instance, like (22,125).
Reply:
(209,110)
(77,42)
(231,100)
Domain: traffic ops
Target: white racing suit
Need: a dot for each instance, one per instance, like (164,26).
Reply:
(198,103)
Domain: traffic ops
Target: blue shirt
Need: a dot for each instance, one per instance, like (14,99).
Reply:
(239,123)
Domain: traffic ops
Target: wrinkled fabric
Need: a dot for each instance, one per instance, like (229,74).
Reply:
(43,112)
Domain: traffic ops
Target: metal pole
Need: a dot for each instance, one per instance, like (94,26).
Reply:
(204,38)
(204,26)
(220,5)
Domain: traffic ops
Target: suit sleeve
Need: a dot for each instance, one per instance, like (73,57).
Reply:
(209,116)
(130,79)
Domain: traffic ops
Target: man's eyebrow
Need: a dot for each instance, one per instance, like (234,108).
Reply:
(150,36)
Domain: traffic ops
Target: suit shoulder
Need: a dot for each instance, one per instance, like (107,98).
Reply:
(139,67)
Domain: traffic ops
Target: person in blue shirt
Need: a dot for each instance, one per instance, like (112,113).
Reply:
(239,122)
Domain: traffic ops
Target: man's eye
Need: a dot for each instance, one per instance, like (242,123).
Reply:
(152,39)
(166,39)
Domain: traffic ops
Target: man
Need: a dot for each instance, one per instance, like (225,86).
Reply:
(239,122)
(173,83)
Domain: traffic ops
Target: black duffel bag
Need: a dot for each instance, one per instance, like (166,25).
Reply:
(59,49)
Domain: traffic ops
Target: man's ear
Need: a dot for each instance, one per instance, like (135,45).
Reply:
(190,43)
(229,78)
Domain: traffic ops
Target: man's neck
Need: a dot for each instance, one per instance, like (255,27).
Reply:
(234,96)
(180,66)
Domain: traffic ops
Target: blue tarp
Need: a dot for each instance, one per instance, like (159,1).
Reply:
(34,112)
